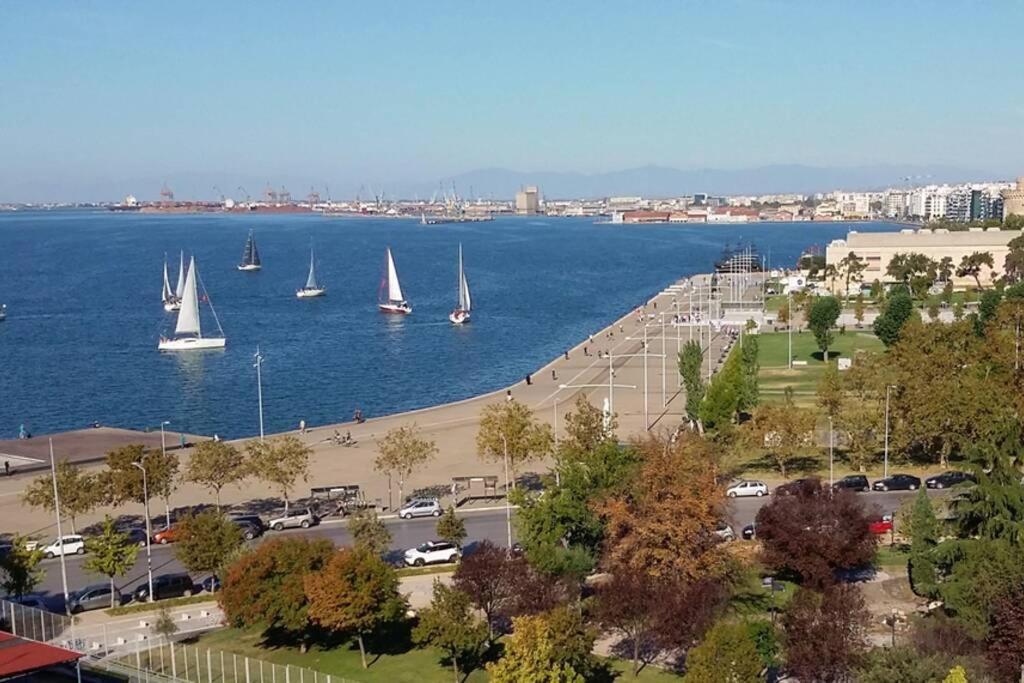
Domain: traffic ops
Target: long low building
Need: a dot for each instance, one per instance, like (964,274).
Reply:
(877,249)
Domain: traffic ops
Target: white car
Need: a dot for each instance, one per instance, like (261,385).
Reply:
(430,552)
(747,488)
(68,545)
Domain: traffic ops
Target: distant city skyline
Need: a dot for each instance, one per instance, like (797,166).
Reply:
(103,99)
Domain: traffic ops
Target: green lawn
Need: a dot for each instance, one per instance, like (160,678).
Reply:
(394,659)
(773,354)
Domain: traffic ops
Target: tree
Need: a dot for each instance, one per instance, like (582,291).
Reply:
(165,624)
(402,452)
(859,308)
(665,524)
(898,310)
(970,265)
(20,568)
(206,540)
(782,430)
(944,269)
(903,664)
(281,462)
(860,422)
(451,527)
(690,360)
(214,465)
(727,653)
(369,532)
(355,592)
(264,586)
(924,536)
(586,429)
(1013,266)
(749,393)
(814,532)
(830,391)
(852,268)
(510,427)
(825,633)
(722,400)
(933,308)
(956,675)
(958,311)
(80,493)
(532,655)
(1005,643)
(486,577)
(450,625)
(123,481)
(111,554)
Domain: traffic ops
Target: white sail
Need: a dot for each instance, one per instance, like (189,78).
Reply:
(311,280)
(180,289)
(465,303)
(188,316)
(166,295)
(394,289)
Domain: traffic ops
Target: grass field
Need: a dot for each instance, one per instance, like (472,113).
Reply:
(773,355)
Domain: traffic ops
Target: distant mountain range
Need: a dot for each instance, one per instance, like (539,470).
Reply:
(501,183)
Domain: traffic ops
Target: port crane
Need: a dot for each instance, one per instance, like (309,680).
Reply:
(243,191)
(166,196)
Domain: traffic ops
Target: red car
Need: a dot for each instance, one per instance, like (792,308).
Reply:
(165,536)
(883,525)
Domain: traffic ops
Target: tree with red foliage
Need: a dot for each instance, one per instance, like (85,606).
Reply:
(654,614)
(264,587)
(1005,643)
(825,633)
(814,532)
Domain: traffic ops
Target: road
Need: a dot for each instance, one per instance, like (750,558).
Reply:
(482,524)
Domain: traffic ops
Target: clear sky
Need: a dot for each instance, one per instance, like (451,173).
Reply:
(424,90)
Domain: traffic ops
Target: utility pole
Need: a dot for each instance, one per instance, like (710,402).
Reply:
(149,530)
(885,467)
(647,422)
(508,503)
(831,455)
(60,534)
(789,324)
(664,401)
(258,364)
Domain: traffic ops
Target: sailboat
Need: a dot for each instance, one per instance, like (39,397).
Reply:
(461,313)
(312,288)
(395,302)
(250,255)
(179,289)
(169,298)
(188,333)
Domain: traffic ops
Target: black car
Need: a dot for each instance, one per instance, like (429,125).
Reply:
(947,479)
(791,487)
(211,584)
(166,586)
(248,529)
(898,482)
(853,482)
(749,532)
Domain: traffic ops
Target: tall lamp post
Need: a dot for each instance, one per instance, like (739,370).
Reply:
(789,322)
(149,530)
(258,364)
(831,454)
(60,534)
(885,466)
(508,503)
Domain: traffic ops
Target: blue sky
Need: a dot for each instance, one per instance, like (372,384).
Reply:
(423,90)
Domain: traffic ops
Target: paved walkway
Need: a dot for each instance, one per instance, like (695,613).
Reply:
(453,426)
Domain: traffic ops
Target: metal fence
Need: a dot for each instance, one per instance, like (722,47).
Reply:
(33,624)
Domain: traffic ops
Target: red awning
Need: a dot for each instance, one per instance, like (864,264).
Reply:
(19,656)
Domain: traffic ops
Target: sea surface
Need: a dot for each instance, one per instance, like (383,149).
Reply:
(82,290)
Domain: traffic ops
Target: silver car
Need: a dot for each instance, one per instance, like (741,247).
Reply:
(421,507)
(294,519)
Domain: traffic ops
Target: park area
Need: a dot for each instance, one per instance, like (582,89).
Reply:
(808,363)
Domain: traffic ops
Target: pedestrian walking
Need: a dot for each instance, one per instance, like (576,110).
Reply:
(181,440)
(7,468)
(567,354)
(585,352)
(508,395)
(529,380)
(302,426)
(553,375)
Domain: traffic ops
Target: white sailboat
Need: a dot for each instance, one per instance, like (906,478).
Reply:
(461,313)
(312,288)
(179,290)
(188,333)
(250,256)
(170,299)
(389,286)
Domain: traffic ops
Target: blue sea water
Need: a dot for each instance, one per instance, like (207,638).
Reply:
(82,290)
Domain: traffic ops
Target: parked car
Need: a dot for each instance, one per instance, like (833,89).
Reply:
(166,586)
(747,488)
(947,479)
(253,520)
(294,519)
(68,545)
(248,529)
(791,487)
(421,507)
(166,535)
(749,532)
(430,552)
(211,584)
(725,532)
(136,535)
(853,482)
(96,596)
(33,601)
(898,482)
(881,525)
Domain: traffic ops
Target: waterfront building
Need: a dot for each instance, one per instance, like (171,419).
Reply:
(877,249)
(528,201)
(1013,199)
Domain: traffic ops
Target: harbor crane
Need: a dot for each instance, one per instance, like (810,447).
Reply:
(243,191)
(166,195)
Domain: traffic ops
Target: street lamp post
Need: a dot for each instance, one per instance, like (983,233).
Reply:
(60,534)
(149,530)
(163,452)
(789,322)
(508,503)
(885,466)
(831,454)
(258,364)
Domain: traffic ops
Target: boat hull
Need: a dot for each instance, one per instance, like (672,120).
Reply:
(310,293)
(248,268)
(401,309)
(192,344)
(459,317)
(171,306)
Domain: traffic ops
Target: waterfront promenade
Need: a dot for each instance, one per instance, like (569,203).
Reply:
(454,426)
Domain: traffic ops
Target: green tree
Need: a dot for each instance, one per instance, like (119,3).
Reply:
(924,536)
(859,308)
(721,402)
(355,593)
(824,314)
(958,311)
(532,655)
(586,428)
(727,654)
(947,293)
(402,452)
(165,624)
(450,625)
(510,428)
(451,527)
(898,310)
(214,465)
(782,430)
(901,663)
(956,675)
(123,481)
(690,360)
(852,267)
(282,462)
(111,554)
(20,568)
(369,532)
(971,264)
(80,493)
(1013,266)
(206,541)
(749,393)
(783,315)
(933,308)
(830,391)
(944,269)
